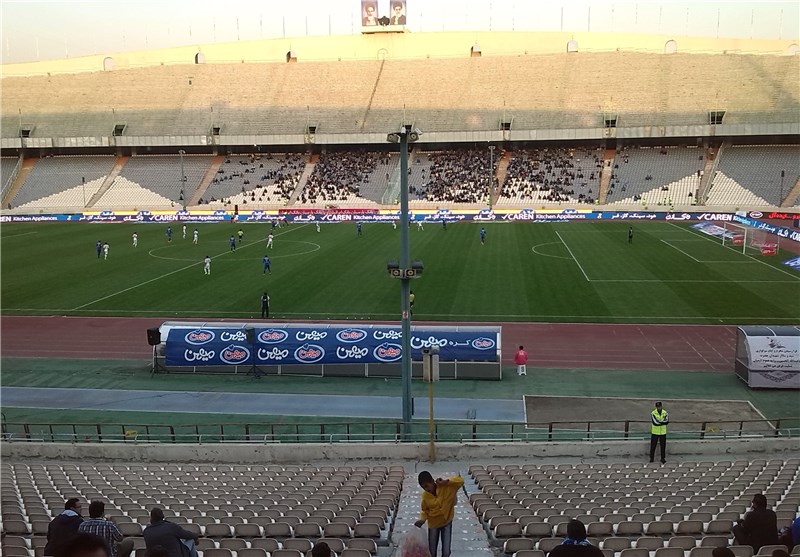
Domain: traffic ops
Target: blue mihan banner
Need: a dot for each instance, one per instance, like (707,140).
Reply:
(323,344)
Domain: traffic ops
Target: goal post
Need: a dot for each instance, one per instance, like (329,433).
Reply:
(736,236)
(750,241)
(761,242)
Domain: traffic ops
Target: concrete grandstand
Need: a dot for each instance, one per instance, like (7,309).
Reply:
(619,124)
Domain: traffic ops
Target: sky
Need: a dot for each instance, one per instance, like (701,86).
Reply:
(42,30)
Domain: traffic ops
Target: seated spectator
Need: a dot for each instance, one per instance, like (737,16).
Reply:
(796,531)
(86,545)
(63,527)
(321,549)
(759,526)
(99,526)
(157,551)
(722,552)
(576,544)
(176,541)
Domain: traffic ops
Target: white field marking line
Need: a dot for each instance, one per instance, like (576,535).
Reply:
(573,257)
(702,261)
(172,273)
(683,252)
(581,323)
(15,235)
(700,280)
(318,247)
(533,249)
(120,313)
(736,251)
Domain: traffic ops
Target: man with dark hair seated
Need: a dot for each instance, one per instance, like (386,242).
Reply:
(576,544)
(85,545)
(722,552)
(63,527)
(99,526)
(176,541)
(321,549)
(759,527)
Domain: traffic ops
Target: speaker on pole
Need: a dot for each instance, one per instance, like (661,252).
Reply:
(154,336)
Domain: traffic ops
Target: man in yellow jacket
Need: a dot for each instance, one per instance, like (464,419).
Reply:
(438,507)
(658,431)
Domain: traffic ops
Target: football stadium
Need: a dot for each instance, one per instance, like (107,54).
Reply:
(395,279)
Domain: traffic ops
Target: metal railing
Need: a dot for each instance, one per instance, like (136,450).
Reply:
(388,431)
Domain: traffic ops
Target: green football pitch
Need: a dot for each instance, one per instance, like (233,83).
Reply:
(571,272)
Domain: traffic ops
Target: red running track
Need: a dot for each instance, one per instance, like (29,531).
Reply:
(559,345)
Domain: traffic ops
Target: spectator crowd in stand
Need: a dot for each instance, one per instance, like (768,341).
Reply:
(273,184)
(338,176)
(558,175)
(457,177)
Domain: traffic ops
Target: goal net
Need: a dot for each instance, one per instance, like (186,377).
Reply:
(750,241)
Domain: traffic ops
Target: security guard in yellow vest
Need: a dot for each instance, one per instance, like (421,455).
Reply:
(658,432)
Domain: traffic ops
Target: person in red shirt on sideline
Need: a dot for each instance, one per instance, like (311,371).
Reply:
(521,359)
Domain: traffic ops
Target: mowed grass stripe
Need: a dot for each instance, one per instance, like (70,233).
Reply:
(346,277)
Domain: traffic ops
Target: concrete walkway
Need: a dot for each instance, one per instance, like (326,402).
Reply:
(469,537)
(260,403)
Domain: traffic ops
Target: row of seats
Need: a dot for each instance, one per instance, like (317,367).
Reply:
(17,546)
(687,499)
(746,177)
(232,502)
(279,98)
(523,547)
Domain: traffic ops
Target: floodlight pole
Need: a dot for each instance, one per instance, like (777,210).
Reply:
(405,286)
(783,173)
(491,173)
(183,178)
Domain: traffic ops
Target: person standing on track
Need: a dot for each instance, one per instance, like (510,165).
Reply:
(521,359)
(658,432)
(207,265)
(269,240)
(265,305)
(135,239)
(630,234)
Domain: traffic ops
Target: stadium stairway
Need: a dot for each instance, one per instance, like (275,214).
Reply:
(119,164)
(500,174)
(469,537)
(25,169)
(605,174)
(709,172)
(312,162)
(207,179)
(793,197)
